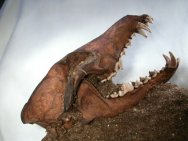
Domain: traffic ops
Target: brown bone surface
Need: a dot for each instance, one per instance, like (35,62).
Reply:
(78,79)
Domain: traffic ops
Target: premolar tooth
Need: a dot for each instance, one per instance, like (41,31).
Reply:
(137,84)
(142,79)
(153,73)
(145,79)
(141,32)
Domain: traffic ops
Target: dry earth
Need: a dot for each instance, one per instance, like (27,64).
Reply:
(161,115)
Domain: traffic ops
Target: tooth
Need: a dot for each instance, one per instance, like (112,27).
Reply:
(149,19)
(133,35)
(128,44)
(117,66)
(122,53)
(143,26)
(120,64)
(127,87)
(114,95)
(107,96)
(153,73)
(111,75)
(137,84)
(104,80)
(142,79)
(145,79)
(140,31)
(121,93)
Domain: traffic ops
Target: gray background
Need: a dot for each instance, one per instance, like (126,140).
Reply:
(37,33)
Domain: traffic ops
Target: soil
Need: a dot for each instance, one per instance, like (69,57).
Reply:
(161,115)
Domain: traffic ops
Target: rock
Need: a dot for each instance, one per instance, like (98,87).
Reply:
(161,115)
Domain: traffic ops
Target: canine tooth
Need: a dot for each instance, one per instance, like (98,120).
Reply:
(143,26)
(114,95)
(141,32)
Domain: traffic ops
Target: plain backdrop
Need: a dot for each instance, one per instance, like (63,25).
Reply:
(34,34)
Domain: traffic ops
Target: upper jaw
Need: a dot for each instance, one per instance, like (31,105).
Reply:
(141,27)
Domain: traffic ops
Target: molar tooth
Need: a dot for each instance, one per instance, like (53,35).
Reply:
(121,93)
(114,95)
(141,32)
(127,87)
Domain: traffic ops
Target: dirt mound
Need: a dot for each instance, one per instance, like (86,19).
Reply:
(161,115)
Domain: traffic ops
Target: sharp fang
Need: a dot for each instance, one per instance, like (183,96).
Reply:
(114,95)
(141,32)
(143,26)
